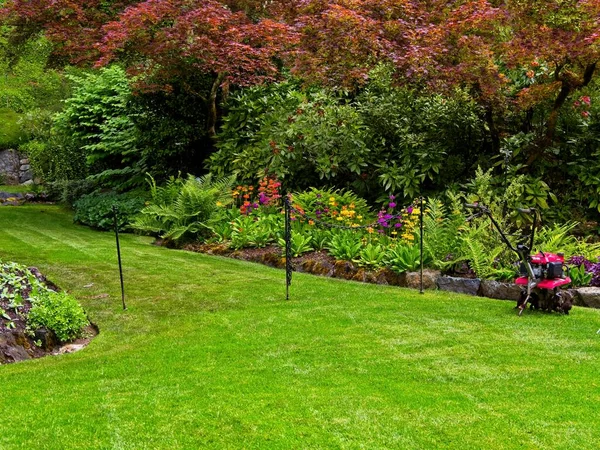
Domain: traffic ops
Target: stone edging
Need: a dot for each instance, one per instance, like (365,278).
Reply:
(321,264)
(584,296)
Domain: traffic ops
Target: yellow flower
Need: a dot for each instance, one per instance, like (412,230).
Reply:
(219,204)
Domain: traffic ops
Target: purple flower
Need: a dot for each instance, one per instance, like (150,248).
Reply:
(388,216)
(255,205)
(398,225)
(392,205)
(318,212)
(392,197)
(318,195)
(579,260)
(409,209)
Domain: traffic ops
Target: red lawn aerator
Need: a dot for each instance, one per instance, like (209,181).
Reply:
(541,275)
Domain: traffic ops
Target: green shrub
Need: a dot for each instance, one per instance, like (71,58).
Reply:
(96,210)
(69,191)
(10,131)
(58,312)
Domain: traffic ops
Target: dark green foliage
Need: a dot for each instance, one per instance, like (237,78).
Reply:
(96,210)
(304,138)
(68,192)
(419,137)
(386,139)
(171,132)
(58,312)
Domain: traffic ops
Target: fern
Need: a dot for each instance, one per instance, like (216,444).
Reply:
(182,208)
(556,238)
(441,233)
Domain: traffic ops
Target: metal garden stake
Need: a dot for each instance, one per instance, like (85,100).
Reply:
(115,214)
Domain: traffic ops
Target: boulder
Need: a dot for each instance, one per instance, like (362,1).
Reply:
(500,290)
(413,279)
(468,286)
(587,296)
(344,269)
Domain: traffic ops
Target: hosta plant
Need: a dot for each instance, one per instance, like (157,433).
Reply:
(345,245)
(403,258)
(372,256)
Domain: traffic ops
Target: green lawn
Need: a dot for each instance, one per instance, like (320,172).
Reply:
(210,355)
(15,188)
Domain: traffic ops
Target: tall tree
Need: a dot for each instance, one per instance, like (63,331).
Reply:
(163,41)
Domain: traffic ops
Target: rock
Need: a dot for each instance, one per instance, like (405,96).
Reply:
(387,276)
(47,338)
(70,348)
(344,269)
(587,296)
(499,290)
(413,279)
(24,161)
(24,167)
(25,176)
(27,183)
(468,286)
(9,166)
(12,347)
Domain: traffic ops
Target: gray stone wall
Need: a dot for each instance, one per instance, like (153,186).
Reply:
(14,169)
(9,166)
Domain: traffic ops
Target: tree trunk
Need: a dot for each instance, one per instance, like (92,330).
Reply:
(494,134)
(211,101)
(568,86)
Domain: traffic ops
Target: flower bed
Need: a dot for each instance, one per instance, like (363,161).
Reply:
(36,319)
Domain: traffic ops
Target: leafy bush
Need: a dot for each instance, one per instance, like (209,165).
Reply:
(302,137)
(10,131)
(96,210)
(96,122)
(183,208)
(69,191)
(58,312)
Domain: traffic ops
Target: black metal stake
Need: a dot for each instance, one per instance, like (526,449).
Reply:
(288,246)
(115,213)
(421,243)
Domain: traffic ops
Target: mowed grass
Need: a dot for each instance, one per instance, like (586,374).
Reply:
(19,188)
(210,355)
